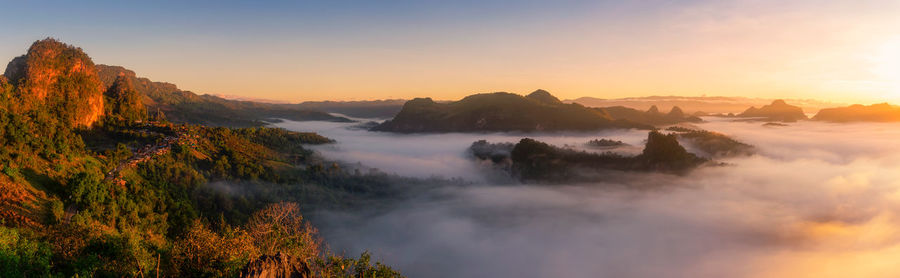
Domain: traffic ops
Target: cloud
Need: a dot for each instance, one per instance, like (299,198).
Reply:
(820,200)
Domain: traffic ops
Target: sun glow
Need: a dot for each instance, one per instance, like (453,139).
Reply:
(886,69)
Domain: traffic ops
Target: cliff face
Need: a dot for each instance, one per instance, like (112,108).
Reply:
(61,77)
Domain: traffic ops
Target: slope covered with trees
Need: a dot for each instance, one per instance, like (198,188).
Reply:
(539,111)
(532,160)
(113,194)
(181,106)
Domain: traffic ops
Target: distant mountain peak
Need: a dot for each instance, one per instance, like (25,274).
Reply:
(653,109)
(544,97)
(881,112)
(676,112)
(779,110)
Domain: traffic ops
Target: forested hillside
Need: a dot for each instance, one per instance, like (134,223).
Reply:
(91,186)
(538,111)
(182,106)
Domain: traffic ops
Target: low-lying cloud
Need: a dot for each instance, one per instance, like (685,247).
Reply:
(819,200)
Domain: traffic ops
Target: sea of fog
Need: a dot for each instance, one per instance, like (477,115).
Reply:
(818,200)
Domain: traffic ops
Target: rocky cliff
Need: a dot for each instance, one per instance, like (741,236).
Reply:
(59,76)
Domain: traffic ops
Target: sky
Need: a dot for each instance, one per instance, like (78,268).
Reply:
(842,51)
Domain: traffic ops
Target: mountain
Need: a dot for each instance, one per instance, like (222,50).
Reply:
(54,76)
(882,112)
(532,160)
(711,144)
(777,111)
(692,105)
(500,111)
(543,97)
(181,106)
(650,117)
(88,191)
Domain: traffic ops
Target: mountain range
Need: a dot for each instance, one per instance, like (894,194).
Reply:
(187,107)
(691,105)
(502,111)
(778,111)
(881,112)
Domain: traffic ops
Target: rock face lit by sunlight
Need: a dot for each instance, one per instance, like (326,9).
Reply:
(818,200)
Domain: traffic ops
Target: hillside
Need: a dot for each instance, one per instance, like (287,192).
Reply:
(882,112)
(778,110)
(531,160)
(538,111)
(181,106)
(106,193)
(712,144)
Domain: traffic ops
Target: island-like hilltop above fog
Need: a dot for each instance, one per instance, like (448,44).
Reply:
(538,111)
(778,111)
(541,111)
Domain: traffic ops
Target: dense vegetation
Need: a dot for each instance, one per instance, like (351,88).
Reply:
(131,197)
(713,144)
(181,106)
(539,111)
(532,160)
(59,78)
(125,103)
(605,143)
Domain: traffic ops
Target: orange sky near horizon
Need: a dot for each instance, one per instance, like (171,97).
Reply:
(839,51)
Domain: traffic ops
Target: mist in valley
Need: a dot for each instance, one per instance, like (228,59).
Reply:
(817,200)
